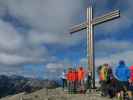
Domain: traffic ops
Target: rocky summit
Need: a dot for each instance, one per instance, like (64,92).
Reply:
(55,94)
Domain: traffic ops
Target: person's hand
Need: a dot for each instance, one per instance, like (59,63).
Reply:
(130,81)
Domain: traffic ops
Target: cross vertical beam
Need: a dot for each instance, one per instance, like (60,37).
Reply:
(90,45)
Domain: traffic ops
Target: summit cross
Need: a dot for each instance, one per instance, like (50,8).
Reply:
(89,26)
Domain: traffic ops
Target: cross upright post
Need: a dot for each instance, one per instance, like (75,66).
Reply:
(88,25)
(90,45)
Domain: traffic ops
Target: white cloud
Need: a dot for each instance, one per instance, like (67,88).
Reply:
(53,67)
(120,24)
(44,14)
(50,17)
(10,59)
(15,49)
(108,45)
(122,50)
(54,70)
(65,40)
(9,37)
(112,59)
(114,26)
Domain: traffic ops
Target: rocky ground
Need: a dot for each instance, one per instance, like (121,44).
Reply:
(55,94)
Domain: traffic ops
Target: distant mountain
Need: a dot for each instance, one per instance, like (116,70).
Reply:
(14,84)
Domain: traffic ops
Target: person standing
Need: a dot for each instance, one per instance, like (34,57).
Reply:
(69,80)
(75,76)
(88,81)
(122,74)
(103,72)
(64,80)
(130,92)
(81,76)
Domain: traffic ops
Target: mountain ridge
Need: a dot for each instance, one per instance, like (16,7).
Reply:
(14,84)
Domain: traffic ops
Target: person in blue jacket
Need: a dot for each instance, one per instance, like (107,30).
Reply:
(122,74)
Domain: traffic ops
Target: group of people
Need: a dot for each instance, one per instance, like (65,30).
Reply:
(118,82)
(74,80)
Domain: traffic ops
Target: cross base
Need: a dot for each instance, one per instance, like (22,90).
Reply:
(95,90)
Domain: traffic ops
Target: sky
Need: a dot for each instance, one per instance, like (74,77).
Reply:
(35,40)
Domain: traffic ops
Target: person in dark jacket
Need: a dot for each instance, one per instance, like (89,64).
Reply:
(122,74)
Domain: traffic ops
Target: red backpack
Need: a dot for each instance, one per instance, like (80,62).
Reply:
(131,73)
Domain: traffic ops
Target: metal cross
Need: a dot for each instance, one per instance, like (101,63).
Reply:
(88,25)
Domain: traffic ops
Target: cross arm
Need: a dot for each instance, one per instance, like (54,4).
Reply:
(78,27)
(95,21)
(109,16)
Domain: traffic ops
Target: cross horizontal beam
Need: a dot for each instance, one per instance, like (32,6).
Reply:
(109,16)
(106,17)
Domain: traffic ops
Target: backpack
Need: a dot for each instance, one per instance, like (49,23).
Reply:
(104,74)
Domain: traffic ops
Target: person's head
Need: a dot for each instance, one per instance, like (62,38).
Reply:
(121,62)
(99,68)
(74,70)
(69,69)
(64,71)
(81,68)
(106,65)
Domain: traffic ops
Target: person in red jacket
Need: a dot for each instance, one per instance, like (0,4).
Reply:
(130,89)
(75,80)
(131,74)
(69,79)
(81,76)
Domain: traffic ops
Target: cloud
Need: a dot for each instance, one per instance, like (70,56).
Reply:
(50,18)
(46,15)
(111,51)
(112,59)
(54,70)
(65,40)
(9,59)
(15,49)
(109,46)
(118,25)
(9,37)
(46,19)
